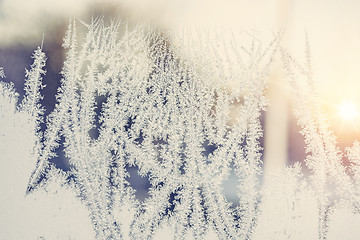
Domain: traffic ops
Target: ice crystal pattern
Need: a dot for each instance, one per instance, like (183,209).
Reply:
(162,109)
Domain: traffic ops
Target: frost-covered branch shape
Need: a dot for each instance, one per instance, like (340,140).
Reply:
(324,157)
(135,95)
(160,113)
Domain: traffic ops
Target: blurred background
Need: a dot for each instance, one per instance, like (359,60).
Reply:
(332,27)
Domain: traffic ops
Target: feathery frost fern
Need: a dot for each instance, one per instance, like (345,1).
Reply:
(166,110)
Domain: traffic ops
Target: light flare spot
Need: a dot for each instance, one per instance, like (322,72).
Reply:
(348,110)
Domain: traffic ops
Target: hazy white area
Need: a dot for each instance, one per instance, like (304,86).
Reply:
(332,26)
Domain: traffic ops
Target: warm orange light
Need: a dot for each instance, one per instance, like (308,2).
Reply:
(348,110)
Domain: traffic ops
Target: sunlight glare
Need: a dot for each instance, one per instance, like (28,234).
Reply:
(348,110)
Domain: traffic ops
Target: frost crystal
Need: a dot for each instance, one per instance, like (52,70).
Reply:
(2,74)
(166,110)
